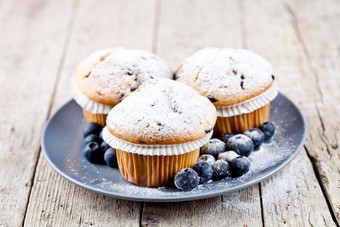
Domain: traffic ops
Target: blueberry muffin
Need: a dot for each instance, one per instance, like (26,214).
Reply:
(240,84)
(158,130)
(106,77)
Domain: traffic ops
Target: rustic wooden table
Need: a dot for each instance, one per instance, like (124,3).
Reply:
(43,41)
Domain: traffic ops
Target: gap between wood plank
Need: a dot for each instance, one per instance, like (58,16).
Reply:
(141,214)
(69,31)
(296,28)
(323,134)
(261,203)
(324,192)
(306,53)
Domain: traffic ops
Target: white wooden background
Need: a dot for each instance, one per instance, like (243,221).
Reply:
(41,43)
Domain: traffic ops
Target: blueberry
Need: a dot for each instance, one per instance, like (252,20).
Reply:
(256,135)
(228,156)
(101,134)
(92,138)
(220,169)
(204,171)
(239,166)
(207,158)
(93,153)
(186,179)
(91,128)
(241,144)
(110,157)
(225,137)
(268,129)
(104,146)
(214,147)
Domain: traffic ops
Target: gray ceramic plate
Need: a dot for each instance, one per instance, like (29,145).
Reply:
(62,141)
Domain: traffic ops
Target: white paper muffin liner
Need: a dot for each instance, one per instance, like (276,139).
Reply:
(250,105)
(88,104)
(154,149)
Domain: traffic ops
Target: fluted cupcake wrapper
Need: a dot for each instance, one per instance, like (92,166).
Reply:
(242,122)
(153,171)
(97,118)
(154,149)
(250,105)
(88,104)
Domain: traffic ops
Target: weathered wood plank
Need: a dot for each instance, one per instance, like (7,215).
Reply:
(185,27)
(319,36)
(293,197)
(30,52)
(302,57)
(239,208)
(55,201)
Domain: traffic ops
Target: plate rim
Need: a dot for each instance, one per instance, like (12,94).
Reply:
(175,198)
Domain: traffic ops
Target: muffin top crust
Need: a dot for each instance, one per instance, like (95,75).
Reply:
(108,76)
(162,112)
(226,76)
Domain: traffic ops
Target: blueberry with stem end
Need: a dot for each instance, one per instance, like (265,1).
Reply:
(186,179)
(207,158)
(92,138)
(93,153)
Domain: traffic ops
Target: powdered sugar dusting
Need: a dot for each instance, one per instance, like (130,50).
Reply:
(268,156)
(288,137)
(116,72)
(226,74)
(162,110)
(228,156)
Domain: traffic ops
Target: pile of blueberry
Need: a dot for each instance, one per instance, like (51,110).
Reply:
(224,157)
(96,150)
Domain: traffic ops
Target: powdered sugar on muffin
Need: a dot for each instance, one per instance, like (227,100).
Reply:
(226,76)
(108,76)
(162,112)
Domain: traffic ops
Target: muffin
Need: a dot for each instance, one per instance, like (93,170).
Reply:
(158,130)
(240,84)
(106,77)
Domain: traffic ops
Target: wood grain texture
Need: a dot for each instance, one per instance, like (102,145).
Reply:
(57,202)
(54,201)
(43,41)
(240,208)
(293,197)
(29,58)
(185,27)
(318,32)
